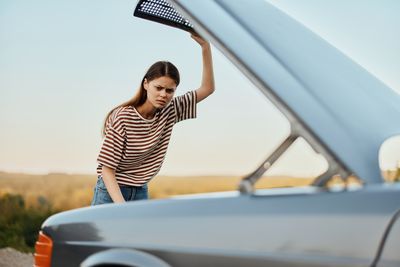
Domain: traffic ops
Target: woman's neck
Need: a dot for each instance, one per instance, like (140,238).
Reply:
(147,110)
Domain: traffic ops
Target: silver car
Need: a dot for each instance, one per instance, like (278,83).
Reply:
(311,226)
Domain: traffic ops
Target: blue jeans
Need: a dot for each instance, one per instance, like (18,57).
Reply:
(130,193)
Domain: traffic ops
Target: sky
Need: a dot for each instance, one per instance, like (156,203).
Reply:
(65,64)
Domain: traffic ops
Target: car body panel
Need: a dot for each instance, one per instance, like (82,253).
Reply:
(313,228)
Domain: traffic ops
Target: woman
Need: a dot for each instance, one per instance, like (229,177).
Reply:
(138,131)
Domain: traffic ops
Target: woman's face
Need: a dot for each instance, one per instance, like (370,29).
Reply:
(160,91)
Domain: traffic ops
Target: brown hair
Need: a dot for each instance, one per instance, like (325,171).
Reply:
(157,70)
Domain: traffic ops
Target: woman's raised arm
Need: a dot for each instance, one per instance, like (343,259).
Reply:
(207,86)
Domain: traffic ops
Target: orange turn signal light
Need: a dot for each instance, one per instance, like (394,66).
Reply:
(43,250)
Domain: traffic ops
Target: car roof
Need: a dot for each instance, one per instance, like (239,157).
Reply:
(330,100)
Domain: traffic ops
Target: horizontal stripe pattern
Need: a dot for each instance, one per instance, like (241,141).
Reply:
(134,147)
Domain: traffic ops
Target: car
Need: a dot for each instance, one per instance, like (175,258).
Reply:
(307,79)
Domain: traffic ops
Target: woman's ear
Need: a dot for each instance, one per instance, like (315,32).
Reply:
(145,84)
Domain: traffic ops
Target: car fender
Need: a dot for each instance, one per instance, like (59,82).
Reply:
(125,257)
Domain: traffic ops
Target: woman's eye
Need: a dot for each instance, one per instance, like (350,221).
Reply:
(170,91)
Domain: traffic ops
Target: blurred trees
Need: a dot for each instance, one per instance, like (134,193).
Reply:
(397,175)
(19,225)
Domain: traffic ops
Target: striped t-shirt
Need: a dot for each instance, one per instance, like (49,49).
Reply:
(135,147)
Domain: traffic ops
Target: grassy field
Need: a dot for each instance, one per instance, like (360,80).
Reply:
(66,191)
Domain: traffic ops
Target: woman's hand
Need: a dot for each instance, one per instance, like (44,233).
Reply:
(112,186)
(199,40)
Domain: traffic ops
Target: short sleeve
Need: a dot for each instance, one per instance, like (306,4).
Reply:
(114,142)
(185,106)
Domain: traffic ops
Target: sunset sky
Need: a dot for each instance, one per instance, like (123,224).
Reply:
(65,64)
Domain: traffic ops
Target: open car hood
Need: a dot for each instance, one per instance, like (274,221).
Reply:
(330,100)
